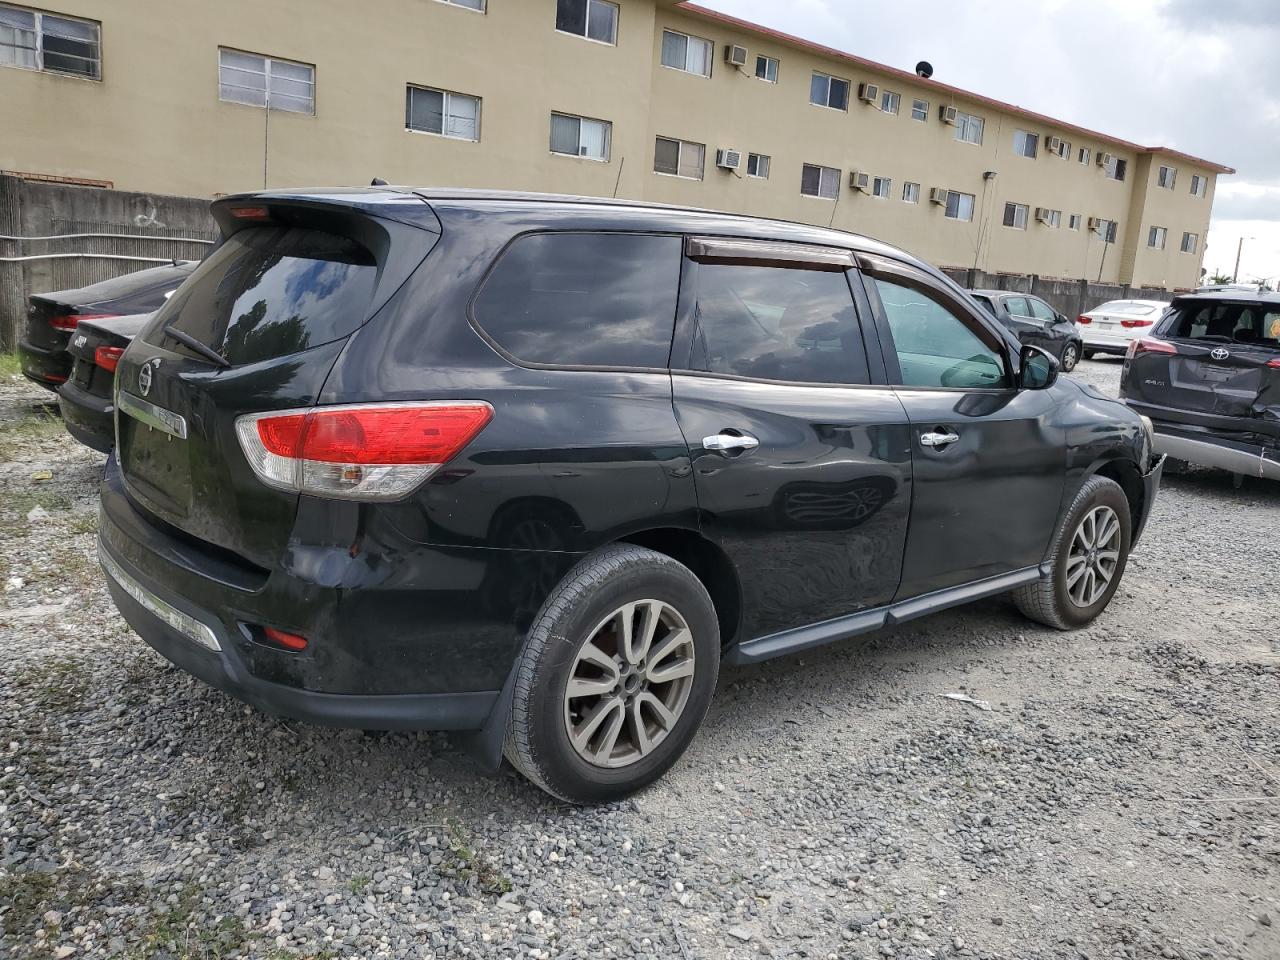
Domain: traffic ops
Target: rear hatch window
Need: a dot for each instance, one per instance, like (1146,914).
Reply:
(270,292)
(1246,323)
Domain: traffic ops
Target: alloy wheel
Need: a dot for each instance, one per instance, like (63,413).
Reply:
(629,684)
(1093,557)
(1069,358)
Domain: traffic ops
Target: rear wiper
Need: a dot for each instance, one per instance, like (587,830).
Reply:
(210,354)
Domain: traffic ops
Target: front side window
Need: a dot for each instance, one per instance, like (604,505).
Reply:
(583,299)
(593,19)
(758,166)
(816,181)
(1167,177)
(935,347)
(828,91)
(679,158)
(767,69)
(911,192)
(969,128)
(1041,310)
(959,205)
(1015,215)
(33,40)
(1156,237)
(1025,144)
(259,81)
(446,114)
(773,323)
(882,187)
(580,137)
(690,54)
(1190,242)
(920,110)
(890,101)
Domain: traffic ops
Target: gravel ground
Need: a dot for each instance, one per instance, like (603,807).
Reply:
(1120,798)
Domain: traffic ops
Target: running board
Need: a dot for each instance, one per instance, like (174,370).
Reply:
(864,621)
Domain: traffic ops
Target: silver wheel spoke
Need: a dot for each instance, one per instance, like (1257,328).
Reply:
(643,742)
(1076,566)
(658,709)
(601,712)
(668,645)
(580,687)
(671,671)
(598,658)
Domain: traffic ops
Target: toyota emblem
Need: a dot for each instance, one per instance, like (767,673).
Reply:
(1220,353)
(144,376)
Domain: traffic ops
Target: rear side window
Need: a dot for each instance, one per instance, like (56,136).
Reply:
(776,323)
(273,291)
(583,299)
(1229,322)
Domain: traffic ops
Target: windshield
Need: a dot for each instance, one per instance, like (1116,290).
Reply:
(1229,322)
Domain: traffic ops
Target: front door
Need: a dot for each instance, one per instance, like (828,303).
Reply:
(801,459)
(988,464)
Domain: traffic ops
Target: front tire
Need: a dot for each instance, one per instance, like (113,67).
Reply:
(1070,357)
(1089,554)
(615,676)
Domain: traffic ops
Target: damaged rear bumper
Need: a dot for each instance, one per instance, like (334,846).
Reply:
(1209,450)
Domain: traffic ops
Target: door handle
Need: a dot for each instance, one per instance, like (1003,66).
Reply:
(729,443)
(937,440)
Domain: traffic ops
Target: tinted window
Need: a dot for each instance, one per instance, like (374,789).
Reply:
(272,291)
(584,299)
(778,324)
(935,347)
(1229,322)
(1041,310)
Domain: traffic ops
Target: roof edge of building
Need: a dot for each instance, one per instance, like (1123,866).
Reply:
(791,39)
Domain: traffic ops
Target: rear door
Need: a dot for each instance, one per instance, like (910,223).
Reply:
(800,452)
(1028,325)
(988,464)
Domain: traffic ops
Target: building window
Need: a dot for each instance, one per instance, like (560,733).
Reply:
(1190,242)
(1156,237)
(469,4)
(920,110)
(1073,222)
(890,102)
(580,137)
(1167,177)
(33,40)
(827,91)
(816,181)
(1106,229)
(260,81)
(1059,148)
(679,158)
(959,206)
(882,187)
(1025,144)
(1015,215)
(682,52)
(1115,168)
(1199,185)
(594,19)
(1050,218)
(758,166)
(969,128)
(1085,156)
(767,69)
(911,192)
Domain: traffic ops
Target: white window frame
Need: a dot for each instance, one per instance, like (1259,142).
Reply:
(586,27)
(608,137)
(1195,242)
(1199,185)
(882,187)
(1021,212)
(39,31)
(1108,230)
(848,86)
(822,178)
(1112,171)
(702,172)
(1024,138)
(910,192)
(1160,234)
(968,122)
(759,158)
(890,102)
(1074,221)
(919,109)
(267,62)
(777,67)
(444,113)
(960,197)
(1063,152)
(1168,173)
(1055,219)
(689,40)
(461,4)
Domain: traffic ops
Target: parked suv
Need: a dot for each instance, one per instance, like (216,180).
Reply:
(1209,377)
(1034,323)
(536,466)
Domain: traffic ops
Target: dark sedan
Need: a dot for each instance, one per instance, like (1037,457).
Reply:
(86,398)
(1034,323)
(53,317)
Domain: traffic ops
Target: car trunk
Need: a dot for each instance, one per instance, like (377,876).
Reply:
(115,334)
(257,328)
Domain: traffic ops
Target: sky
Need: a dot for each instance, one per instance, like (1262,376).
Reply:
(1200,76)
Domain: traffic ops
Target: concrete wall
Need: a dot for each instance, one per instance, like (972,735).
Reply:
(1071,297)
(146,229)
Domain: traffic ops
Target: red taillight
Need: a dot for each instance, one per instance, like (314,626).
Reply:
(290,641)
(1148,345)
(1131,324)
(359,452)
(108,358)
(1274,364)
(69,321)
(251,213)
(1083,319)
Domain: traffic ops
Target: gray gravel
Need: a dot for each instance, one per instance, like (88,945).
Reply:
(1121,798)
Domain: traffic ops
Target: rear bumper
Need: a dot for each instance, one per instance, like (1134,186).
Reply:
(88,417)
(1249,459)
(47,367)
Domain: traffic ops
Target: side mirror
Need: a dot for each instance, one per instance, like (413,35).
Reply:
(1039,369)
(1062,318)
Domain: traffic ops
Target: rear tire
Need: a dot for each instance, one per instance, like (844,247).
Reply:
(1089,553)
(634,706)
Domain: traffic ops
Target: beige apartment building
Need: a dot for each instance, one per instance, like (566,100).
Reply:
(645,99)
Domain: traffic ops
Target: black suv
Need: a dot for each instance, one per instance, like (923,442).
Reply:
(1209,377)
(1035,323)
(536,466)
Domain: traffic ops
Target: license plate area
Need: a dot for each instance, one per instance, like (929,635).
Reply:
(1217,374)
(156,466)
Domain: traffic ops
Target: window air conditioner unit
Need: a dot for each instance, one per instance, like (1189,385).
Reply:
(1042,214)
(951,115)
(1095,223)
(1105,159)
(735,55)
(860,181)
(869,92)
(938,195)
(728,159)
(1054,145)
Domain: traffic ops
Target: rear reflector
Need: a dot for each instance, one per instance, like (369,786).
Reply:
(69,321)
(374,452)
(290,641)
(1131,324)
(108,358)
(1083,319)
(1148,345)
